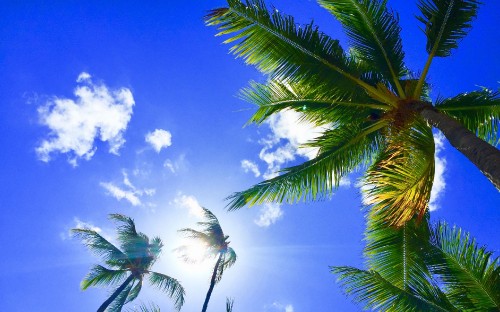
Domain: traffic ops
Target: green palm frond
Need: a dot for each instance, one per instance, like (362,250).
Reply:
(318,103)
(341,150)
(120,300)
(446,22)
(479,111)
(100,246)
(399,183)
(101,276)
(375,33)
(470,274)
(227,261)
(277,46)
(135,290)
(376,293)
(170,286)
(151,307)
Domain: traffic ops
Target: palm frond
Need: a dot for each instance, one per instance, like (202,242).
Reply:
(376,293)
(170,286)
(120,300)
(470,274)
(228,258)
(316,102)
(446,22)
(135,290)
(277,46)
(151,307)
(99,245)
(399,183)
(101,276)
(229,304)
(347,147)
(397,254)
(479,111)
(375,33)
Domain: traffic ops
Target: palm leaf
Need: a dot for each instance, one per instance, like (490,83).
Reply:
(277,46)
(446,22)
(376,293)
(170,286)
(100,246)
(347,147)
(470,274)
(229,304)
(101,276)
(318,103)
(135,290)
(375,33)
(399,183)
(120,300)
(151,307)
(479,111)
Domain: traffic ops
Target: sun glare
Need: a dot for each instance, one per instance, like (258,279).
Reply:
(195,254)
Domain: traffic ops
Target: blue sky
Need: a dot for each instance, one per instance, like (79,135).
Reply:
(126,107)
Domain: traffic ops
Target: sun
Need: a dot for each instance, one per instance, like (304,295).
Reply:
(193,255)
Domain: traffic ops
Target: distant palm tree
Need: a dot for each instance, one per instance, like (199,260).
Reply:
(131,261)
(422,268)
(217,245)
(375,111)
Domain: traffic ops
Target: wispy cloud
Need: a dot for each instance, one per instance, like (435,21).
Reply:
(128,191)
(75,124)
(78,224)
(189,202)
(277,306)
(178,165)
(159,139)
(439,183)
(269,214)
(249,166)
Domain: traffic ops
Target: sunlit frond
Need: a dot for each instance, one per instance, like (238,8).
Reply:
(317,103)
(170,286)
(277,46)
(399,183)
(99,245)
(101,276)
(376,293)
(375,33)
(470,274)
(479,111)
(341,150)
(446,22)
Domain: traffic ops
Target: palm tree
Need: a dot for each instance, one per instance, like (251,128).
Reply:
(129,264)
(423,268)
(377,113)
(217,245)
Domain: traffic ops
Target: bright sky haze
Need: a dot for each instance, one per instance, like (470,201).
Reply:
(130,107)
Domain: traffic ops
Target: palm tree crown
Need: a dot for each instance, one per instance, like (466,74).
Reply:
(128,264)
(217,245)
(377,113)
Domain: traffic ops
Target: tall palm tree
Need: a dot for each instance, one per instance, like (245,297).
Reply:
(217,246)
(376,112)
(128,264)
(419,267)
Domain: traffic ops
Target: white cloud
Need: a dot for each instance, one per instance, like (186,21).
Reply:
(128,192)
(276,306)
(120,193)
(159,139)
(287,127)
(249,166)
(79,224)
(177,165)
(191,203)
(439,184)
(269,214)
(97,112)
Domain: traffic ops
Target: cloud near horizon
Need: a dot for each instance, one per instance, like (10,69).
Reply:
(75,124)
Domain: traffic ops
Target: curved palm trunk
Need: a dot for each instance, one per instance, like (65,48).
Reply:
(212,283)
(485,156)
(106,303)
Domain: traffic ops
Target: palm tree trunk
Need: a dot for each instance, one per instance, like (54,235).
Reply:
(485,156)
(212,283)
(106,303)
